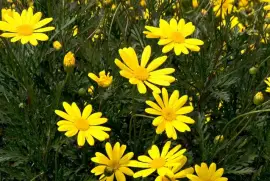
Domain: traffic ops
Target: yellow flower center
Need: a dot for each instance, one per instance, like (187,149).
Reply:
(141,73)
(158,163)
(25,30)
(168,114)
(81,124)
(178,37)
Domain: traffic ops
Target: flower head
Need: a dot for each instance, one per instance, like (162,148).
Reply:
(160,162)
(57,45)
(174,35)
(26,27)
(267,81)
(103,80)
(113,165)
(207,174)
(175,172)
(87,125)
(171,113)
(258,98)
(69,60)
(143,74)
(195,3)
(223,7)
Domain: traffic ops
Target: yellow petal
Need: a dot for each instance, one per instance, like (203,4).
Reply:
(174,97)
(126,171)
(156,63)
(109,150)
(154,152)
(165,149)
(34,42)
(145,55)
(120,176)
(87,111)
(42,23)
(81,138)
(182,127)
(50,28)
(71,133)
(98,170)
(152,111)
(153,87)
(185,110)
(144,173)
(165,97)
(168,47)
(141,87)
(40,36)
(153,105)
(180,102)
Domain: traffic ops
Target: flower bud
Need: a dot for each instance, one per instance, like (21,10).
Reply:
(218,139)
(253,70)
(82,91)
(69,62)
(57,45)
(258,98)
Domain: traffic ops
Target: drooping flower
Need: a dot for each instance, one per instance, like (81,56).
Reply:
(57,45)
(87,125)
(26,27)
(143,74)
(174,35)
(223,7)
(175,173)
(171,113)
(160,162)
(103,80)
(115,165)
(91,90)
(207,174)
(267,81)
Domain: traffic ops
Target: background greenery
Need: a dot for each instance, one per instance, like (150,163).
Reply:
(32,86)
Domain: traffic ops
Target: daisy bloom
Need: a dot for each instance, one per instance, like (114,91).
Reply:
(207,174)
(87,125)
(103,80)
(223,7)
(26,27)
(171,113)
(160,162)
(142,74)
(113,165)
(175,173)
(174,35)
(267,81)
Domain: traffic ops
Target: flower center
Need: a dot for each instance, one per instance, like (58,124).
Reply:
(168,114)
(25,30)
(158,163)
(141,73)
(178,37)
(81,124)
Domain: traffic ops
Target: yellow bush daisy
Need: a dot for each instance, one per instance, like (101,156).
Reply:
(174,35)
(160,162)
(171,113)
(175,172)
(142,74)
(207,174)
(223,7)
(26,27)
(103,80)
(87,125)
(113,165)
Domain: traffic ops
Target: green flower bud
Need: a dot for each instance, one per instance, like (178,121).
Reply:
(82,91)
(253,70)
(258,98)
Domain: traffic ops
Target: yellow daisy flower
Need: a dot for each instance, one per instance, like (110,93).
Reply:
(158,162)
(175,173)
(115,165)
(170,112)
(142,75)
(223,7)
(103,80)
(87,125)
(26,27)
(174,35)
(207,174)
(69,61)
